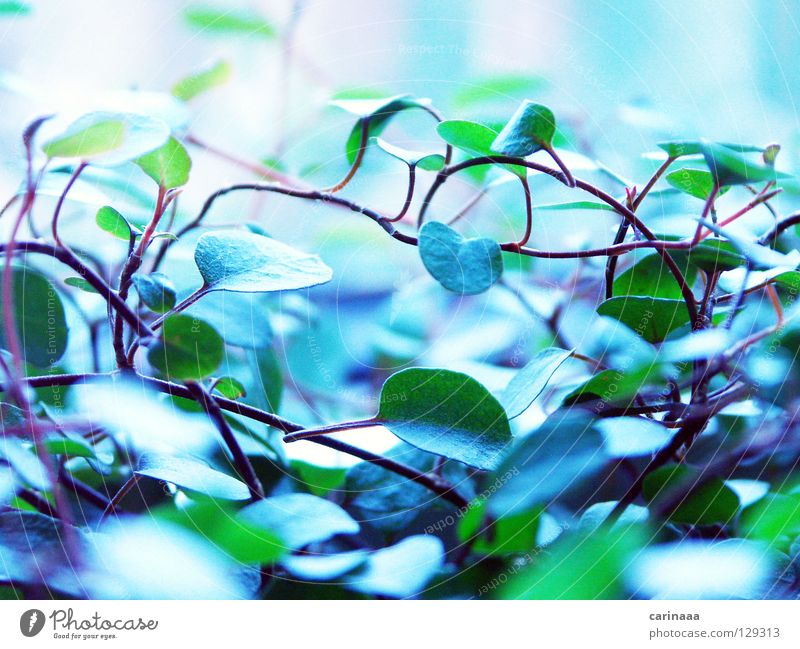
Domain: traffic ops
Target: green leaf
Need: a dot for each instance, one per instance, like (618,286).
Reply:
(618,386)
(207,77)
(426,161)
(529,130)
(775,519)
(711,502)
(565,451)
(111,221)
(507,535)
(229,387)
(680,148)
(189,473)
(650,277)
(695,182)
(633,436)
(224,21)
(108,139)
(299,519)
(324,567)
(218,523)
(446,413)
(531,380)
(188,349)
(575,205)
(470,137)
(711,255)
(72,445)
(25,462)
(402,570)
(585,565)
(39,318)
(168,165)
(652,318)
(465,266)
(14,8)
(731,168)
(156,291)
(268,379)
(249,263)
(498,88)
(760,257)
(80,283)
(377,113)
(319,480)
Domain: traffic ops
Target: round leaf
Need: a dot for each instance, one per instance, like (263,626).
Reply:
(250,263)
(111,221)
(651,318)
(168,165)
(466,266)
(529,382)
(446,413)
(470,137)
(188,349)
(426,161)
(156,291)
(208,77)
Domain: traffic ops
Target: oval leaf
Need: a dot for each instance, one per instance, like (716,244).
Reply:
(529,382)
(250,263)
(156,290)
(111,221)
(446,413)
(529,130)
(168,165)
(193,475)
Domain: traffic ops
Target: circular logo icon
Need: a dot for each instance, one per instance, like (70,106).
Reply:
(31,622)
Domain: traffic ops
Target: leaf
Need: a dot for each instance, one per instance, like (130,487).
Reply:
(108,139)
(25,462)
(731,168)
(465,266)
(585,565)
(209,76)
(323,567)
(402,570)
(498,88)
(426,161)
(191,474)
(168,166)
(219,524)
(268,379)
(760,257)
(695,182)
(70,445)
(529,130)
(575,205)
(249,263)
(111,221)
(697,345)
(680,148)
(563,452)
(774,519)
(319,480)
(507,535)
(39,318)
(156,291)
(651,318)
(470,137)
(80,283)
(711,502)
(445,413)
(224,21)
(14,8)
(377,113)
(229,387)
(711,255)
(531,380)
(633,436)
(299,519)
(650,277)
(188,349)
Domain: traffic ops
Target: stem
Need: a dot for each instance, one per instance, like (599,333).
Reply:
(332,428)
(409,194)
(241,460)
(650,183)
(706,209)
(528,212)
(570,180)
(362,147)
(62,198)
(113,504)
